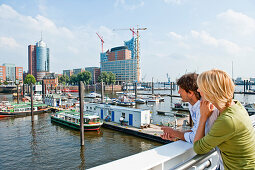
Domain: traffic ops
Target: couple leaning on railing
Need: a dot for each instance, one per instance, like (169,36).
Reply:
(219,121)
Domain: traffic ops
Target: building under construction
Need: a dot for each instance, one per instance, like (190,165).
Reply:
(123,61)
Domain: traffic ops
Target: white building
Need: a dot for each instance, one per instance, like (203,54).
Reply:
(133,117)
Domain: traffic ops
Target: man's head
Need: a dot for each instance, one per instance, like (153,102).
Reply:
(188,88)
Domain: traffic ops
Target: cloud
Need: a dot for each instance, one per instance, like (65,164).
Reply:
(173,1)
(8,42)
(69,48)
(175,35)
(129,5)
(238,21)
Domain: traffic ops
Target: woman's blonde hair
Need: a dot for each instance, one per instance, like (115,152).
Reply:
(217,87)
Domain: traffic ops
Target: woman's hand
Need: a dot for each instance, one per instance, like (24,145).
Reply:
(206,110)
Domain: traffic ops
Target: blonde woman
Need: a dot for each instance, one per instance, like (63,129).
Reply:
(232,131)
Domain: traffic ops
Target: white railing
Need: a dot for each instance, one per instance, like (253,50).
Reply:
(169,156)
(176,155)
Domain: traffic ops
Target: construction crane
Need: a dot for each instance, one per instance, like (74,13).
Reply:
(135,31)
(102,41)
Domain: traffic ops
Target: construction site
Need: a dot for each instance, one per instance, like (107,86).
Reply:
(123,61)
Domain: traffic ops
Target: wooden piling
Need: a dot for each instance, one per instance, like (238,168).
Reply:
(81,97)
(102,91)
(152,87)
(18,93)
(32,105)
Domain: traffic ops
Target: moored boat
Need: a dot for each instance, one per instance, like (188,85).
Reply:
(71,119)
(22,109)
(181,106)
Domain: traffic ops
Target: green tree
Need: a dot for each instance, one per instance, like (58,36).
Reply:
(85,77)
(1,83)
(103,76)
(64,79)
(112,78)
(30,79)
(73,79)
(5,83)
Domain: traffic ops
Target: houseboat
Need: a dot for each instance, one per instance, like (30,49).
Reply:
(132,117)
(71,119)
(22,109)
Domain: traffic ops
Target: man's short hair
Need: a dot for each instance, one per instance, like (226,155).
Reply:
(188,82)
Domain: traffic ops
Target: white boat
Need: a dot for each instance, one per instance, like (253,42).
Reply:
(140,101)
(93,95)
(181,106)
(250,108)
(125,101)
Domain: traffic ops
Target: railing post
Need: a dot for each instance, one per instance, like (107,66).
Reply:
(81,96)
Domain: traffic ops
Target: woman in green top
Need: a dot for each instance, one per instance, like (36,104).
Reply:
(232,131)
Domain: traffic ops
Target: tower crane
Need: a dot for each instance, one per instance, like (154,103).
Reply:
(135,31)
(102,41)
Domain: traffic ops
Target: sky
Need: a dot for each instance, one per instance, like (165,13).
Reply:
(182,35)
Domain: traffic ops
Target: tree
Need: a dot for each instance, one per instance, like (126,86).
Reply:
(5,83)
(1,83)
(73,79)
(63,79)
(112,78)
(30,79)
(103,77)
(85,77)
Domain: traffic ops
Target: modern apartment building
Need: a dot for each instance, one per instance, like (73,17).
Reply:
(2,74)
(123,62)
(19,74)
(95,72)
(10,73)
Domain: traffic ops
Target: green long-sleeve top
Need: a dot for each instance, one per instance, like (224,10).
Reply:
(233,133)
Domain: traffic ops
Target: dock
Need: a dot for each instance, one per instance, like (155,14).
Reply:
(152,132)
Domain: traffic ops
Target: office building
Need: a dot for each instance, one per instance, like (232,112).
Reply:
(77,71)
(69,73)
(95,72)
(123,62)
(32,60)
(38,60)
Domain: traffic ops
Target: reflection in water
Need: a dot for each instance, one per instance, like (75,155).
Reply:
(33,143)
(82,165)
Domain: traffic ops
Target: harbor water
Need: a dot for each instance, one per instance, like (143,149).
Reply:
(44,145)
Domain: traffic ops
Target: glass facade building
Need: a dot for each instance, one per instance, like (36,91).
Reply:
(125,65)
(42,57)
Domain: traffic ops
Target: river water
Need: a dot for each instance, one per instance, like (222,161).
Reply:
(43,145)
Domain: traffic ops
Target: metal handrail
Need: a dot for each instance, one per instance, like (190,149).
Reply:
(204,161)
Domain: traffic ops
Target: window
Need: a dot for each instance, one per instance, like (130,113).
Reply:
(123,115)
